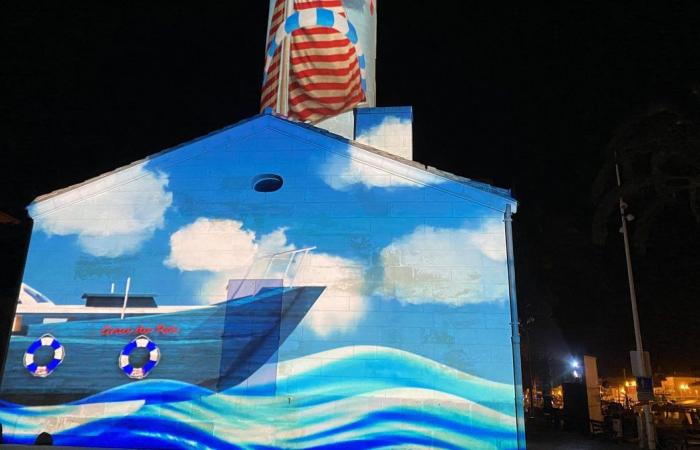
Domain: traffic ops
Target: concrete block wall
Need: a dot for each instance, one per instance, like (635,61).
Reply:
(389,129)
(408,344)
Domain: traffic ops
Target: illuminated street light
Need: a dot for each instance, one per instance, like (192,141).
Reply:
(647,425)
(574,365)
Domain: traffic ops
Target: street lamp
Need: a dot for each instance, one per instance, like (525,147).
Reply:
(533,386)
(574,364)
(648,421)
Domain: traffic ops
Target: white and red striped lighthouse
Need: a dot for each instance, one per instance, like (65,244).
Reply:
(320,58)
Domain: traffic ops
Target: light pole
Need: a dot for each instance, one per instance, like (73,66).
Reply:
(624,217)
(528,323)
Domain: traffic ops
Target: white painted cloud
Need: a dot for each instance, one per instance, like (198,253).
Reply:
(341,172)
(218,245)
(342,304)
(392,134)
(451,266)
(359,167)
(227,250)
(111,216)
(490,239)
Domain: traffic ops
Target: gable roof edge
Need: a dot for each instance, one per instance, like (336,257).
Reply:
(64,190)
(501,194)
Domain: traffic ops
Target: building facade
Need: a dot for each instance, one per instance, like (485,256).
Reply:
(270,285)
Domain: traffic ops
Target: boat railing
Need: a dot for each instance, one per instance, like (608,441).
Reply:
(291,261)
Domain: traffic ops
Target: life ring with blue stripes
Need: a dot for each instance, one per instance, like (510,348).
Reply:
(43,371)
(129,369)
(317,17)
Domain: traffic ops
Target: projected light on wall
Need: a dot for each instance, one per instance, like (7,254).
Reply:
(287,289)
(267,182)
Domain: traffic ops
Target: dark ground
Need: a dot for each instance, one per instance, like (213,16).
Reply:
(541,437)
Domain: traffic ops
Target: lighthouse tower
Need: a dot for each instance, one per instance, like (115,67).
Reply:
(320,66)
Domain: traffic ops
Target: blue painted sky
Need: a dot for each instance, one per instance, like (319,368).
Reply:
(169,226)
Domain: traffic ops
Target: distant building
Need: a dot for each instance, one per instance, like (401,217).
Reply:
(679,388)
(620,390)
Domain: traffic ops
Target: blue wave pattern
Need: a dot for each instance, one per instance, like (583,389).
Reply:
(347,398)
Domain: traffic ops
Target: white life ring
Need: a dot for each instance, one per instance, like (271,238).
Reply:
(43,371)
(139,373)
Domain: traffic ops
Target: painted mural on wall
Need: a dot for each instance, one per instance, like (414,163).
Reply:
(286,290)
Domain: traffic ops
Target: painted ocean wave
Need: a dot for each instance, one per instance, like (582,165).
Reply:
(351,397)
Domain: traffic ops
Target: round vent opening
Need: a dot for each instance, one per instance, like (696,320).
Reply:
(267,182)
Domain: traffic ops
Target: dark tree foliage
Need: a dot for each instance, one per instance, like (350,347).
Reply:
(659,158)
(658,153)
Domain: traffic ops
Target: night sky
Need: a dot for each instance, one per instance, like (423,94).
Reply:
(525,97)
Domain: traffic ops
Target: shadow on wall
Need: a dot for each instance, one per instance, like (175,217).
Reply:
(44,438)
(14,242)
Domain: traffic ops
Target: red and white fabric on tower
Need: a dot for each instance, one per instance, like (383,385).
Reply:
(324,78)
(270,86)
(324,75)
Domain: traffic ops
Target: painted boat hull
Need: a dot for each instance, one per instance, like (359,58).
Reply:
(216,347)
